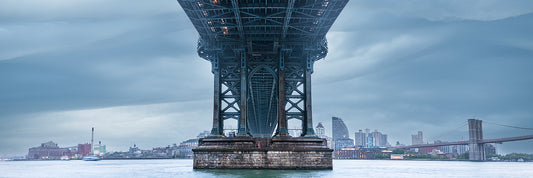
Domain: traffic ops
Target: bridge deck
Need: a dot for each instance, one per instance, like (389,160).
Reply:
(497,140)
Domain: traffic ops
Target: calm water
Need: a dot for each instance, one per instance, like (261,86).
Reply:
(341,168)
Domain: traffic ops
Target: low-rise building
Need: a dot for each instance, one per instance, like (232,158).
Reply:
(47,151)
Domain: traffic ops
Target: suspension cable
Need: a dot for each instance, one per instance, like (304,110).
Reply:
(464,123)
(503,125)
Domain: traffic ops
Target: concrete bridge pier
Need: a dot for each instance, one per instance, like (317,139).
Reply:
(475,132)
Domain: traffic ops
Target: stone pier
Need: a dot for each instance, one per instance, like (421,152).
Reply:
(263,153)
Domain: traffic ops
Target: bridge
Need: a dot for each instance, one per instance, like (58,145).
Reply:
(262,54)
(476,142)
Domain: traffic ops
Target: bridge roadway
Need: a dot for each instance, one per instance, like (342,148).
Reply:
(497,140)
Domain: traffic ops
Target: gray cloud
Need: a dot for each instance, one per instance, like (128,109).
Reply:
(130,69)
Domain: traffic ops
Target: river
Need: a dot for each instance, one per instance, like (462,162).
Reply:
(341,168)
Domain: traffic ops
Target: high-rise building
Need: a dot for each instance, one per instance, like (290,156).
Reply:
(380,140)
(339,129)
(418,139)
(367,139)
(340,134)
(360,138)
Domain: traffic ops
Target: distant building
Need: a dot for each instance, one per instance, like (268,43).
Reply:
(84,149)
(47,151)
(99,149)
(185,148)
(380,140)
(204,134)
(360,139)
(321,132)
(135,150)
(367,139)
(418,139)
(396,156)
(340,134)
(359,153)
(460,149)
(339,129)
(490,149)
(428,150)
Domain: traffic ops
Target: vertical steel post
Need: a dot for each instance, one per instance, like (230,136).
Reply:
(243,123)
(308,119)
(218,129)
(282,120)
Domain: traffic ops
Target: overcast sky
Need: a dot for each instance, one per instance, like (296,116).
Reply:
(130,69)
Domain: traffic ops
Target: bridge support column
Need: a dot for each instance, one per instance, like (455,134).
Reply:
(475,133)
(307,124)
(217,130)
(282,119)
(243,121)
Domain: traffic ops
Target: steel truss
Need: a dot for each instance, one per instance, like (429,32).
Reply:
(262,54)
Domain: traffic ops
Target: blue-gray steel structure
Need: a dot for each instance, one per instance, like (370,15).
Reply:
(262,54)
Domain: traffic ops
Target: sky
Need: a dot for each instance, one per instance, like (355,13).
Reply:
(130,69)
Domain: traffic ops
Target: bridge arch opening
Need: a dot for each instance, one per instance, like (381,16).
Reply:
(230,127)
(295,127)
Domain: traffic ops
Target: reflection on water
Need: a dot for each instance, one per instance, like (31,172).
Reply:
(341,168)
(262,173)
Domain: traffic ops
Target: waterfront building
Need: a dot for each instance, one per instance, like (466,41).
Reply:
(339,129)
(47,151)
(490,149)
(185,148)
(396,156)
(359,153)
(428,150)
(84,149)
(340,134)
(418,139)
(321,132)
(134,150)
(99,149)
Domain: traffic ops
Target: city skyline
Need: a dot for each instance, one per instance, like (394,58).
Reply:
(129,70)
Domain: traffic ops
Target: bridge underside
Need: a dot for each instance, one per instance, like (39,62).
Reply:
(262,54)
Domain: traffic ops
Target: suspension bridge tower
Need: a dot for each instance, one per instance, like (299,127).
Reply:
(262,54)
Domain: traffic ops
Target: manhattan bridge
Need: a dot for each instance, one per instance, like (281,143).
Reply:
(262,54)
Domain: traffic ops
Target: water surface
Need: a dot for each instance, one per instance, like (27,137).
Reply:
(341,168)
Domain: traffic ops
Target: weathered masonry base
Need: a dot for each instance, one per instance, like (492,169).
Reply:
(262,153)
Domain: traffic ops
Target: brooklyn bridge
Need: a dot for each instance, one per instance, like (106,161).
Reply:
(476,142)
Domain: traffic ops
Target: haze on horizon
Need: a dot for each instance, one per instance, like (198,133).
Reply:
(130,69)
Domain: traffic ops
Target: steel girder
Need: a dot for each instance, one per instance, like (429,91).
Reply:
(262,54)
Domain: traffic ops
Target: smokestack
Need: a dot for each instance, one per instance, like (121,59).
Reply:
(92,137)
